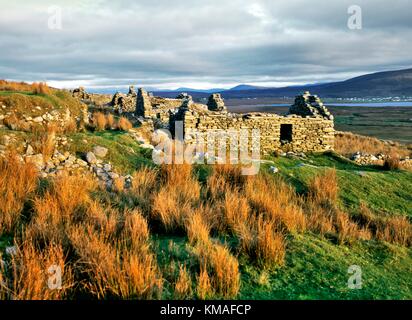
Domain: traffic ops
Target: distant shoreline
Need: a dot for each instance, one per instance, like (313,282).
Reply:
(354,104)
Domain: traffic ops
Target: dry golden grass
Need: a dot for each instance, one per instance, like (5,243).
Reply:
(223,269)
(144,185)
(14,86)
(66,202)
(183,285)
(347,143)
(277,202)
(392,163)
(260,241)
(3,280)
(35,271)
(18,181)
(136,230)
(270,248)
(396,230)
(236,210)
(180,178)
(319,219)
(110,122)
(40,88)
(70,127)
(113,272)
(178,195)
(44,140)
(124,124)
(144,181)
(224,178)
(105,247)
(37,88)
(99,121)
(170,209)
(347,230)
(197,229)
(118,184)
(143,280)
(204,288)
(324,188)
(13,122)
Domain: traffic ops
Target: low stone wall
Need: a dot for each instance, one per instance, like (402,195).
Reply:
(307,128)
(98,100)
(307,134)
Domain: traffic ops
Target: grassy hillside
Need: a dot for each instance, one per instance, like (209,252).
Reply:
(315,264)
(195,232)
(27,103)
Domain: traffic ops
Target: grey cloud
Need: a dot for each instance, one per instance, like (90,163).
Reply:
(187,42)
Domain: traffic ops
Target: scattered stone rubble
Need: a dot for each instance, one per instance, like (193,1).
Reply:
(362,158)
(367,159)
(98,100)
(38,116)
(67,162)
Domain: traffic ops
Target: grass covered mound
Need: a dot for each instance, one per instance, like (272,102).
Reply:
(28,103)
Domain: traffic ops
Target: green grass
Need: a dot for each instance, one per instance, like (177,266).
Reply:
(5,241)
(8,93)
(124,152)
(389,192)
(317,269)
(22,102)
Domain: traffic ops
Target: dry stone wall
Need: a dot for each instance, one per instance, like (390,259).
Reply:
(311,132)
(307,134)
(158,108)
(124,103)
(308,127)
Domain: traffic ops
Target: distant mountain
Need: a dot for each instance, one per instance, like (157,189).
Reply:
(179,90)
(380,84)
(241,87)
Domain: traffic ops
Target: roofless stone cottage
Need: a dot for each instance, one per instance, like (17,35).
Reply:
(307,127)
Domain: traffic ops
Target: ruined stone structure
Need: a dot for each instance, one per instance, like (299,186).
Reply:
(308,126)
(95,99)
(159,108)
(216,103)
(80,93)
(310,105)
(124,103)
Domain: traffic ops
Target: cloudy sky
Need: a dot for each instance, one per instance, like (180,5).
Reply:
(200,43)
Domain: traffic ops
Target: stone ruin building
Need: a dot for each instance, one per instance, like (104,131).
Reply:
(80,93)
(307,127)
(124,102)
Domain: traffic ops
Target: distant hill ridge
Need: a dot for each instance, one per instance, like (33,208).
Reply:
(379,84)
